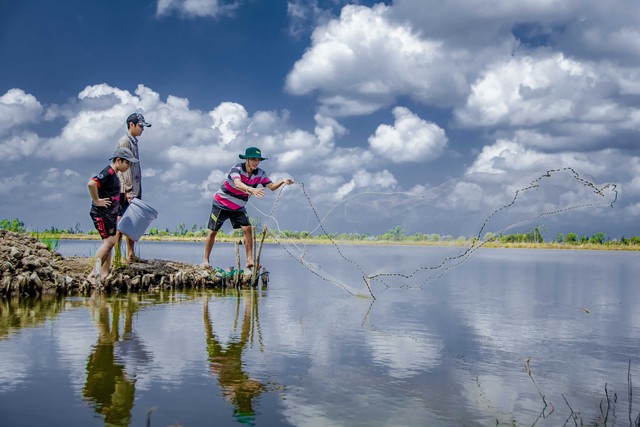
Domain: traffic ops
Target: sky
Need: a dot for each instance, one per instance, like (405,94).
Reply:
(446,117)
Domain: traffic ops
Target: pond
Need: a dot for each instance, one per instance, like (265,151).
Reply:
(504,337)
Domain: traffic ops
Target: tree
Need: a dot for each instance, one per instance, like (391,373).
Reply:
(181,230)
(489,236)
(598,238)
(12,225)
(571,238)
(396,234)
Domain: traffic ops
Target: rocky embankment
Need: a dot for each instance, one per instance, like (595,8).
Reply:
(29,268)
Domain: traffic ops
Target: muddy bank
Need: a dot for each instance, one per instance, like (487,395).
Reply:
(29,268)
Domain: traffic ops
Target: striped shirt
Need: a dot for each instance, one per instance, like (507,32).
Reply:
(229,197)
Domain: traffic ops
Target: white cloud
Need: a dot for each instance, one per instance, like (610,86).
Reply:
(528,91)
(632,210)
(17,108)
(363,179)
(305,13)
(410,139)
(505,156)
(195,8)
(18,146)
(327,129)
(201,156)
(229,119)
(98,123)
(209,186)
(362,61)
(345,160)
(10,185)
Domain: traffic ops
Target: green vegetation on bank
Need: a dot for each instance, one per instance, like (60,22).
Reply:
(397,235)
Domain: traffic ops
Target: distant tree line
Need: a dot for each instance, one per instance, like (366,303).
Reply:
(19,227)
(396,234)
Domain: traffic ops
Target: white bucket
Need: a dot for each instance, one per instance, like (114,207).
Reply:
(136,219)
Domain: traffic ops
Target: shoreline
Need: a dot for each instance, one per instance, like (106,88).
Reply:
(318,241)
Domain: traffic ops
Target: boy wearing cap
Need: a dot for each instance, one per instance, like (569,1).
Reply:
(131,180)
(229,201)
(104,189)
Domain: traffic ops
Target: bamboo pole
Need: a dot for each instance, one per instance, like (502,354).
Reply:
(256,266)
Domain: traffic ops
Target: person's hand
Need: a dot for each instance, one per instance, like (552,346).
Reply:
(289,181)
(258,192)
(103,203)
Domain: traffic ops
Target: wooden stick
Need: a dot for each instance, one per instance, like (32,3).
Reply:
(238,264)
(254,280)
(253,241)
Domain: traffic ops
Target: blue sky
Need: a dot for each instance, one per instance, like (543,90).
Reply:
(433,115)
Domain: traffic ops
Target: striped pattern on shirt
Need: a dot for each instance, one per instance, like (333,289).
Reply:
(229,197)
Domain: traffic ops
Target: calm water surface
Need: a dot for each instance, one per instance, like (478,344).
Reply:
(447,351)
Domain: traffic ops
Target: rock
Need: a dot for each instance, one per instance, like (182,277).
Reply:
(32,262)
(27,267)
(6,284)
(15,253)
(7,266)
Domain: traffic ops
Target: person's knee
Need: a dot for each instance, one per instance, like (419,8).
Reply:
(109,242)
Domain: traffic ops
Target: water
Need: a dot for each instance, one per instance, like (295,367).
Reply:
(451,351)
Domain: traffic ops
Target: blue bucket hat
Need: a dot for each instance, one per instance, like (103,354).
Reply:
(252,153)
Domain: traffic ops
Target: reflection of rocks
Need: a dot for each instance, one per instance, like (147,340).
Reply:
(28,267)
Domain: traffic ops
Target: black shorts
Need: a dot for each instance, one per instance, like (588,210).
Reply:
(105,224)
(124,204)
(219,216)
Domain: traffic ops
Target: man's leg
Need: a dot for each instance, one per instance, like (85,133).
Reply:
(130,249)
(106,261)
(104,255)
(208,245)
(124,204)
(248,244)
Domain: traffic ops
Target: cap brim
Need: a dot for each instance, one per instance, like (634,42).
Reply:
(125,158)
(242,156)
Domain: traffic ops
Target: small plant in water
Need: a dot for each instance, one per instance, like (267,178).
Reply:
(117,258)
(52,243)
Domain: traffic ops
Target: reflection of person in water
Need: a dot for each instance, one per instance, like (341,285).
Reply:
(226,363)
(107,384)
